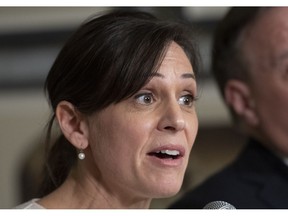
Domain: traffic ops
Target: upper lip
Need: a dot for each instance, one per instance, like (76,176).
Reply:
(170,147)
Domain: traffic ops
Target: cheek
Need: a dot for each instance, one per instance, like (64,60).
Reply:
(271,103)
(114,148)
(123,134)
(192,130)
(267,99)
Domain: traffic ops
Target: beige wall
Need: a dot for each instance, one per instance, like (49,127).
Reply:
(22,118)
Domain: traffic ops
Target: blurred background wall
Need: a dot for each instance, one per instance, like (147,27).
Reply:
(30,38)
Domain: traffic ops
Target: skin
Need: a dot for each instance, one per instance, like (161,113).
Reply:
(118,171)
(266,49)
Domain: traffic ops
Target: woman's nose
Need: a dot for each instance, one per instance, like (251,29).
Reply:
(172,118)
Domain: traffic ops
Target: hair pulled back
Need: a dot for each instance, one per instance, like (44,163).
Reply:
(108,59)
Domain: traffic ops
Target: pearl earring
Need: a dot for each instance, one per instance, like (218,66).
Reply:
(81,154)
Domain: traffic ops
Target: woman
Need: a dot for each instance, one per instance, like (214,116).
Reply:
(122,90)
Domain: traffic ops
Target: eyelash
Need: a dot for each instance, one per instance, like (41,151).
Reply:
(152,99)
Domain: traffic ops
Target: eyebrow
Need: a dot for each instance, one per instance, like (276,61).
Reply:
(188,75)
(185,75)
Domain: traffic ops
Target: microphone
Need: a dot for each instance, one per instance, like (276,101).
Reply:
(219,205)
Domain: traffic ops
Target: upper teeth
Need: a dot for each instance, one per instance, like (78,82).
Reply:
(169,152)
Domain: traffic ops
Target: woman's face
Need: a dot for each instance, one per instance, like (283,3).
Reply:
(141,145)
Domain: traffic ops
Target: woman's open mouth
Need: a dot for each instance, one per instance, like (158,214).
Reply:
(166,154)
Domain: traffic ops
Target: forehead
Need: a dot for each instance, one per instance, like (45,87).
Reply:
(267,37)
(176,54)
(271,24)
(174,49)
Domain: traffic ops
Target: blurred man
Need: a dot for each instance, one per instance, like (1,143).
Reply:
(250,64)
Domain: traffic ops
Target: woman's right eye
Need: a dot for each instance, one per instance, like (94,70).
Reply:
(145,98)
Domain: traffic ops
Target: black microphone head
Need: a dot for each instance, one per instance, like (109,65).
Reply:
(219,205)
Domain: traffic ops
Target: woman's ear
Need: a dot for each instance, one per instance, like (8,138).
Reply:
(238,96)
(73,124)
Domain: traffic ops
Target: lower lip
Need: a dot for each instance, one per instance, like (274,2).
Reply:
(167,162)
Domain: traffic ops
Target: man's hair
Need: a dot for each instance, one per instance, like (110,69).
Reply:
(228,60)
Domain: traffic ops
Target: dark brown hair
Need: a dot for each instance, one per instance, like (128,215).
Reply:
(108,59)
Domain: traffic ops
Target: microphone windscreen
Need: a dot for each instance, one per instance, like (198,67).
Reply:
(219,205)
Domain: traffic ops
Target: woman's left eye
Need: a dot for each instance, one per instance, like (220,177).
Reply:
(187,100)
(145,99)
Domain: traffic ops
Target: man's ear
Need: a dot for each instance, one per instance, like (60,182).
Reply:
(72,124)
(238,96)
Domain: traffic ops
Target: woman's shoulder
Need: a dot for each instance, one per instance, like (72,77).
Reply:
(32,204)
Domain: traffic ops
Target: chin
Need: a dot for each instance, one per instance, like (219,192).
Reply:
(166,190)
(163,184)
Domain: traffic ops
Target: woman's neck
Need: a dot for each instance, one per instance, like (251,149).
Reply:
(83,191)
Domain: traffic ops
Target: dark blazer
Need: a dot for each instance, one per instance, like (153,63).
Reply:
(257,179)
